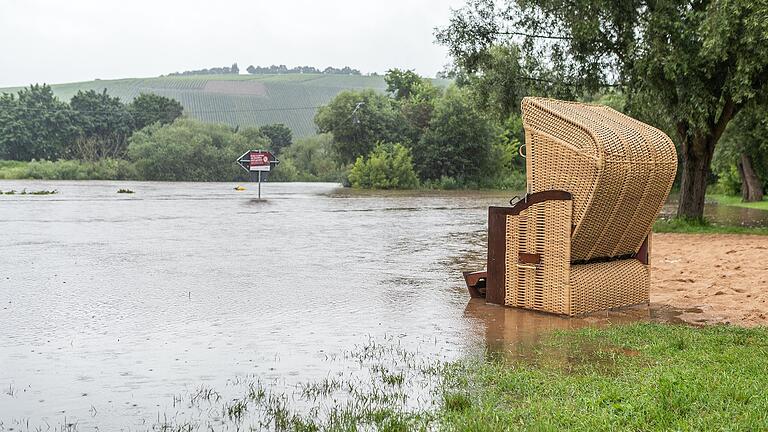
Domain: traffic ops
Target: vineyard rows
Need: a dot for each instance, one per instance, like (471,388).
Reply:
(289,99)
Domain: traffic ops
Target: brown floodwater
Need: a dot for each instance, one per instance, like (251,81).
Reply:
(111,304)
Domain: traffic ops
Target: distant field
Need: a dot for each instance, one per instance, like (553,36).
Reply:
(244,100)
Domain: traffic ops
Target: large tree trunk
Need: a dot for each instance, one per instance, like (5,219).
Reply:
(697,155)
(751,187)
(698,147)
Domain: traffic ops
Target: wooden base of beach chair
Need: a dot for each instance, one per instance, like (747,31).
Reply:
(529,263)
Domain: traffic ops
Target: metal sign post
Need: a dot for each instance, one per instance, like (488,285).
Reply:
(258,161)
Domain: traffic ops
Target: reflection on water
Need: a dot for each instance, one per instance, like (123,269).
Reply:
(514,331)
(723,215)
(110,304)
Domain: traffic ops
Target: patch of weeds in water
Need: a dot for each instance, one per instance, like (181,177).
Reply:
(25,192)
(382,387)
(204,393)
(236,409)
(125,191)
(456,402)
(644,379)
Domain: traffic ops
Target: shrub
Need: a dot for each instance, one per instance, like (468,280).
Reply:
(187,150)
(105,169)
(313,159)
(388,166)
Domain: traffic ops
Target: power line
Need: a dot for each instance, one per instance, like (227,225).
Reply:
(533,35)
(186,111)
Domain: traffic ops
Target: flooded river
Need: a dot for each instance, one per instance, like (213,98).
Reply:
(111,304)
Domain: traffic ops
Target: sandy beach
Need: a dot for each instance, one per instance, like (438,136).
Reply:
(716,278)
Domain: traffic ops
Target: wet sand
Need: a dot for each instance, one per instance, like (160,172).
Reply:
(717,278)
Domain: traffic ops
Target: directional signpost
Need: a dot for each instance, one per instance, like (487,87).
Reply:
(258,161)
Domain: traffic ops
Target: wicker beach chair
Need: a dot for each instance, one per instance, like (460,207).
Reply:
(580,240)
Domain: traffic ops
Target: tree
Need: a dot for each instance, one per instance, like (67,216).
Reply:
(279,136)
(358,120)
(313,158)
(104,122)
(401,84)
(415,98)
(457,142)
(254,139)
(186,150)
(688,67)
(388,166)
(149,108)
(234,69)
(744,152)
(35,124)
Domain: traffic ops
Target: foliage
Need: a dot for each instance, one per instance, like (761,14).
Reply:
(285,171)
(279,136)
(388,166)
(255,139)
(149,108)
(632,377)
(104,169)
(358,120)
(187,150)
(496,85)
(283,69)
(701,226)
(746,136)
(406,84)
(225,70)
(457,142)
(104,124)
(416,97)
(34,124)
(249,100)
(311,159)
(685,67)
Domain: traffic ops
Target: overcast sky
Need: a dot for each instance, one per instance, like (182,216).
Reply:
(56,41)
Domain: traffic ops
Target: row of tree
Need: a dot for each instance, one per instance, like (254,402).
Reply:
(35,124)
(283,69)
(224,70)
(689,68)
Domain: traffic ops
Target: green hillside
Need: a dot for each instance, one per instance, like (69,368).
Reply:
(244,100)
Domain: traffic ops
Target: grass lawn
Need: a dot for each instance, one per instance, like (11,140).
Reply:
(636,377)
(702,227)
(684,226)
(733,200)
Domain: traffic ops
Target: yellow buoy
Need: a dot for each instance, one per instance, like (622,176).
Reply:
(239,188)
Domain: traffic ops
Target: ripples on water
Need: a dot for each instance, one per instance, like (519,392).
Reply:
(111,304)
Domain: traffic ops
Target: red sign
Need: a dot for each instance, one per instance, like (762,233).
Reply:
(259,160)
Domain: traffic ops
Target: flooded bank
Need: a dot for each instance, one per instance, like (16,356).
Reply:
(113,304)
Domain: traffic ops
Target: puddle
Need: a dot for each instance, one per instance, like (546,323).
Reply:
(505,328)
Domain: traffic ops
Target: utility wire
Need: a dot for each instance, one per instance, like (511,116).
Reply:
(186,111)
(532,35)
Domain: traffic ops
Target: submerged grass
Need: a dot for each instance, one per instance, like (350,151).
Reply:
(635,377)
(646,377)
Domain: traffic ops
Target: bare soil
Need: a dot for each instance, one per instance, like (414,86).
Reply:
(713,278)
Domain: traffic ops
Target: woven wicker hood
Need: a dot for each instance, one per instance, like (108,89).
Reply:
(619,171)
